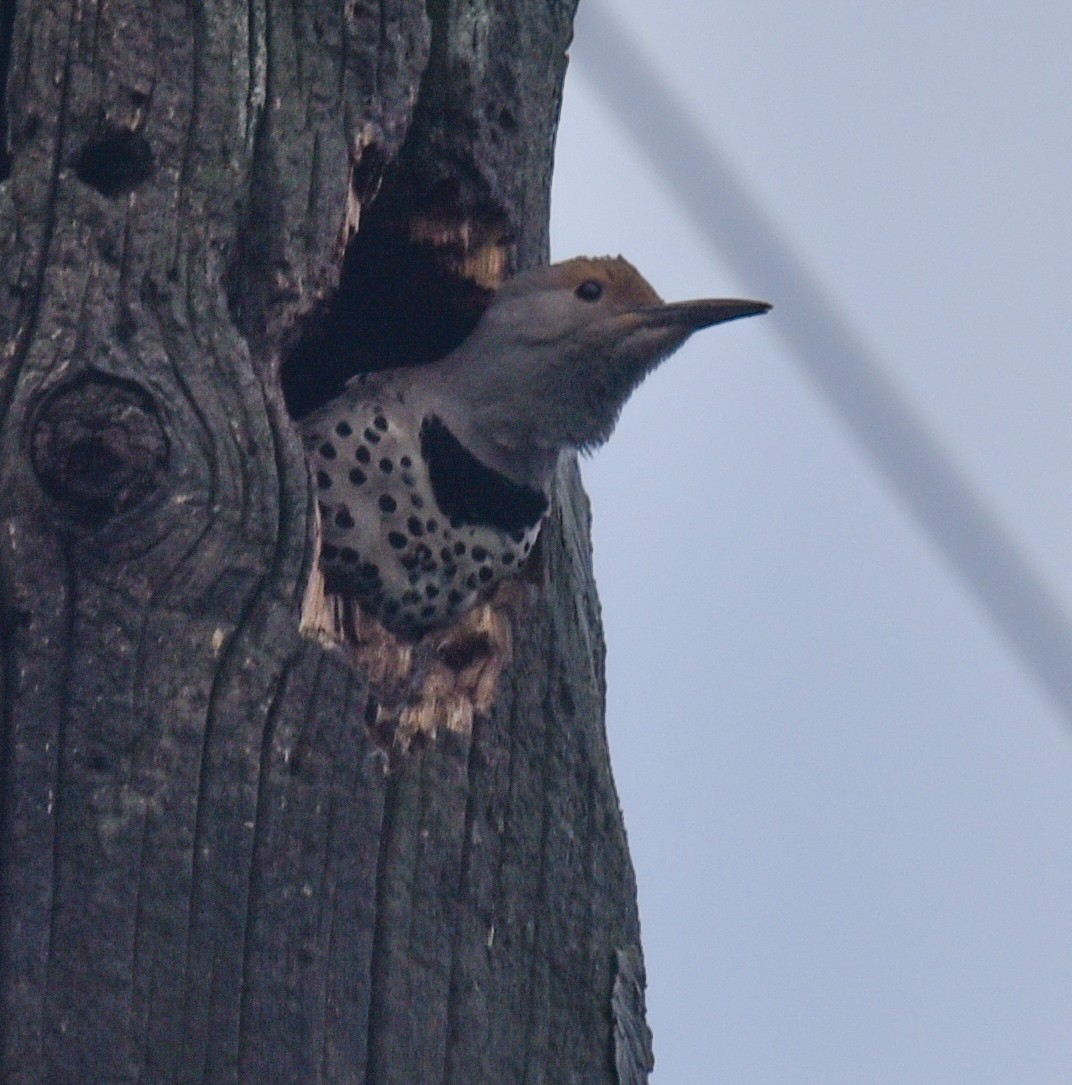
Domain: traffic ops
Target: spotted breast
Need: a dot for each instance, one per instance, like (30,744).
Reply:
(412,526)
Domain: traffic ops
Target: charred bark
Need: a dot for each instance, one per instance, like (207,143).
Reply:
(211,867)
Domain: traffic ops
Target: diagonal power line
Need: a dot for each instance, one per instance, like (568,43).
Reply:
(832,353)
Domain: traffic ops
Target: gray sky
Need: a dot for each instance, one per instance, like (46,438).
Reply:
(849,804)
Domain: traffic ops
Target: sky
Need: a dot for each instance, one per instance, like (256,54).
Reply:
(848,801)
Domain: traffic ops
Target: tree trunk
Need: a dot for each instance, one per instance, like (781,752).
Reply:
(221,859)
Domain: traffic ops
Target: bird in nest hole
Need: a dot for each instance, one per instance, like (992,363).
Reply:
(433,481)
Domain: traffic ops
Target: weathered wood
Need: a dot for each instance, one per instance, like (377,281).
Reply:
(210,868)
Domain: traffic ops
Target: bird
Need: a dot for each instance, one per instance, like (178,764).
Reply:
(432,481)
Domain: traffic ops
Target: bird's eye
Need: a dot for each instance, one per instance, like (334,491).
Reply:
(590,290)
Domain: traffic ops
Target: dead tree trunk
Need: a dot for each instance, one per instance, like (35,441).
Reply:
(218,862)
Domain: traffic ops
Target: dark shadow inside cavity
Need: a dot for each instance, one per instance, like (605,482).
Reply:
(115,162)
(399,302)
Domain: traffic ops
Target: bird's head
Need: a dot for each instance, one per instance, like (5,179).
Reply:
(561,348)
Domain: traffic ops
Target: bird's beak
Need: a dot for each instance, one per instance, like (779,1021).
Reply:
(690,316)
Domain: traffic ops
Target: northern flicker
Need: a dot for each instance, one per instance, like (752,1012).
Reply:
(432,481)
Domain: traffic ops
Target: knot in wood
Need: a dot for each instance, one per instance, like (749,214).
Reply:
(98,446)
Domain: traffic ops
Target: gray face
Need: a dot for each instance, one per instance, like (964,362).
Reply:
(557,355)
